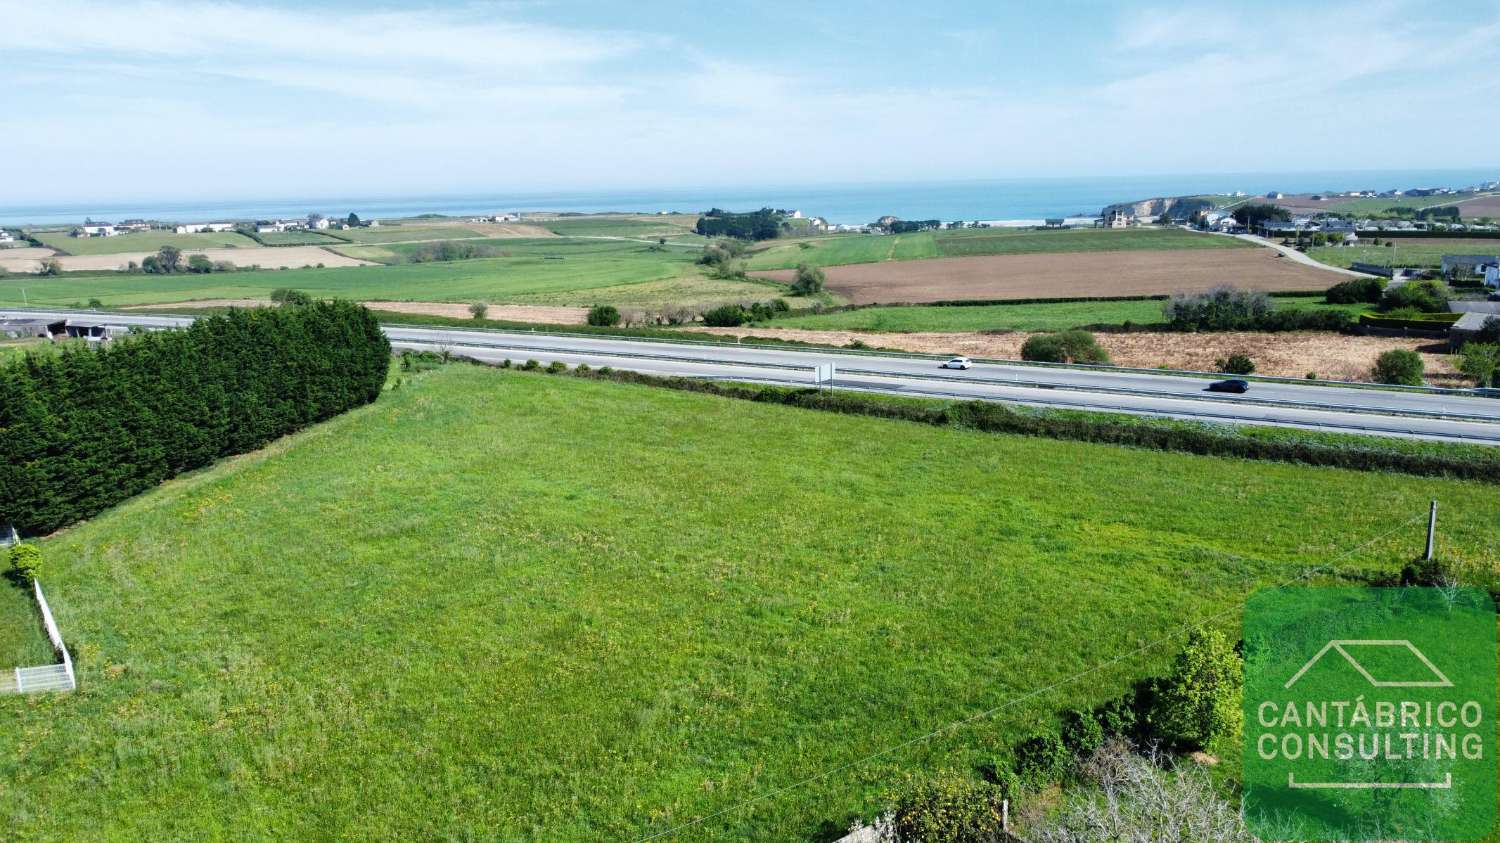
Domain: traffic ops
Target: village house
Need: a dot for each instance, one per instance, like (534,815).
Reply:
(95,230)
(318,223)
(1468,266)
(1114,218)
(201,227)
(6,236)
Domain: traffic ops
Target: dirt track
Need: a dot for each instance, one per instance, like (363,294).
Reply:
(1293,355)
(1056,275)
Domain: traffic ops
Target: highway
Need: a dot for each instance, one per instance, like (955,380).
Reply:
(1461,416)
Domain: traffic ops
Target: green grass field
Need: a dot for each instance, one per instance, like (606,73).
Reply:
(1407,251)
(142,241)
(298,238)
(870,248)
(611,225)
(1009,317)
(406,233)
(1377,205)
(23,642)
(520,607)
(547,270)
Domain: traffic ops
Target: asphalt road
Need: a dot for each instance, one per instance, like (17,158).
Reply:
(1426,415)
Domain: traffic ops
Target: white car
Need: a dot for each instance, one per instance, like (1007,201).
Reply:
(958,363)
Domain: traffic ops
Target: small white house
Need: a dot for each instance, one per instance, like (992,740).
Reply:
(6,236)
(201,227)
(95,230)
(318,223)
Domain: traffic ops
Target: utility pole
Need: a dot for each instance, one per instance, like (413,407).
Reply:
(1431,530)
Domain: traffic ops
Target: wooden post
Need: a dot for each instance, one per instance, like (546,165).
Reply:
(1431,530)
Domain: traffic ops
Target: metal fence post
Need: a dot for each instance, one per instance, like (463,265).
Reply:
(1431,530)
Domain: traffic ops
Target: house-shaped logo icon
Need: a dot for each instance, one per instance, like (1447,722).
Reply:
(1433,679)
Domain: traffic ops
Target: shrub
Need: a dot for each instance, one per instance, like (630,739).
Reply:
(1355,291)
(1222,308)
(200,264)
(1199,701)
(1042,759)
(451,250)
(604,316)
(95,304)
(808,281)
(1488,333)
(726,316)
(286,295)
(1236,364)
(556,366)
(479,309)
(1398,366)
(1064,347)
(1426,296)
(531,366)
(26,561)
(948,807)
(86,428)
(1481,361)
(1081,732)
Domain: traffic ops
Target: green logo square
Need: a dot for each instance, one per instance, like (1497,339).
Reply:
(1370,713)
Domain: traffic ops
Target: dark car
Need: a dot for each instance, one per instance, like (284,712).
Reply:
(1232,385)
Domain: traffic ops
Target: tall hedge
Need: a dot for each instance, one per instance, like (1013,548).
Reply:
(84,429)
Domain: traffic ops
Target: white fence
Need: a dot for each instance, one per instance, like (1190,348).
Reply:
(50,677)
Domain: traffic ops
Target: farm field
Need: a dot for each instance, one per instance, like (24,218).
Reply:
(569,610)
(1054,316)
(1346,205)
(143,241)
(1410,251)
(870,248)
(407,233)
(614,225)
(567,276)
(298,238)
(1068,275)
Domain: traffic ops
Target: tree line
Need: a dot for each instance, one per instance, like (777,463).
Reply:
(83,429)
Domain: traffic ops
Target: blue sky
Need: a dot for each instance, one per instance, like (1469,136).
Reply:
(138,99)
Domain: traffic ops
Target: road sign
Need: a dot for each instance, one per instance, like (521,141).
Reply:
(823,373)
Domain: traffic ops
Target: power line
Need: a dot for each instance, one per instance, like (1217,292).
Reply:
(982,715)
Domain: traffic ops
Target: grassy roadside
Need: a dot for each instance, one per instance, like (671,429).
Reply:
(549,608)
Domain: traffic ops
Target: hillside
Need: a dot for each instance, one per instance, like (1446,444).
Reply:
(515,606)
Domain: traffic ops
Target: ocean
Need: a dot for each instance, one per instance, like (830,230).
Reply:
(1014,201)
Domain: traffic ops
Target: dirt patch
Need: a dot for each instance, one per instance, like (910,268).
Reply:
(1292,355)
(200,303)
(23,258)
(512,312)
(1485,206)
(1058,275)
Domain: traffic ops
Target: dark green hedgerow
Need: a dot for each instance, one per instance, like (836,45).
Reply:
(1359,453)
(82,430)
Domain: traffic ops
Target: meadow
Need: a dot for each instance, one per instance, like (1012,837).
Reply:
(23,642)
(614,225)
(298,238)
(406,233)
(1378,205)
(1411,251)
(870,248)
(142,241)
(1046,316)
(511,606)
(542,271)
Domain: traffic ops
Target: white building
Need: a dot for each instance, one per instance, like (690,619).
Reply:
(200,227)
(6,236)
(95,230)
(318,223)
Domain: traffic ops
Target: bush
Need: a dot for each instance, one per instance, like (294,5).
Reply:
(1064,347)
(200,264)
(1398,366)
(86,428)
(1042,759)
(1081,733)
(556,366)
(948,807)
(1481,361)
(726,316)
(1199,701)
(26,561)
(604,316)
(1356,291)
(479,309)
(531,366)
(1236,364)
(1488,333)
(809,280)
(286,295)
(1425,296)
(451,250)
(1222,308)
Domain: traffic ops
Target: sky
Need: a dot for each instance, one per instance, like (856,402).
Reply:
(141,99)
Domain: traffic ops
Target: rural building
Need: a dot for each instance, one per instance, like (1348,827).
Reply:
(95,230)
(319,223)
(1275,194)
(86,329)
(1336,226)
(1471,265)
(1492,276)
(1467,326)
(15,328)
(1115,218)
(200,227)
(6,236)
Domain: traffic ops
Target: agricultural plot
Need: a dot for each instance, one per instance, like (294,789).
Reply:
(1413,251)
(630,225)
(143,241)
(566,275)
(873,248)
(298,238)
(1053,316)
(407,233)
(573,610)
(1067,275)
